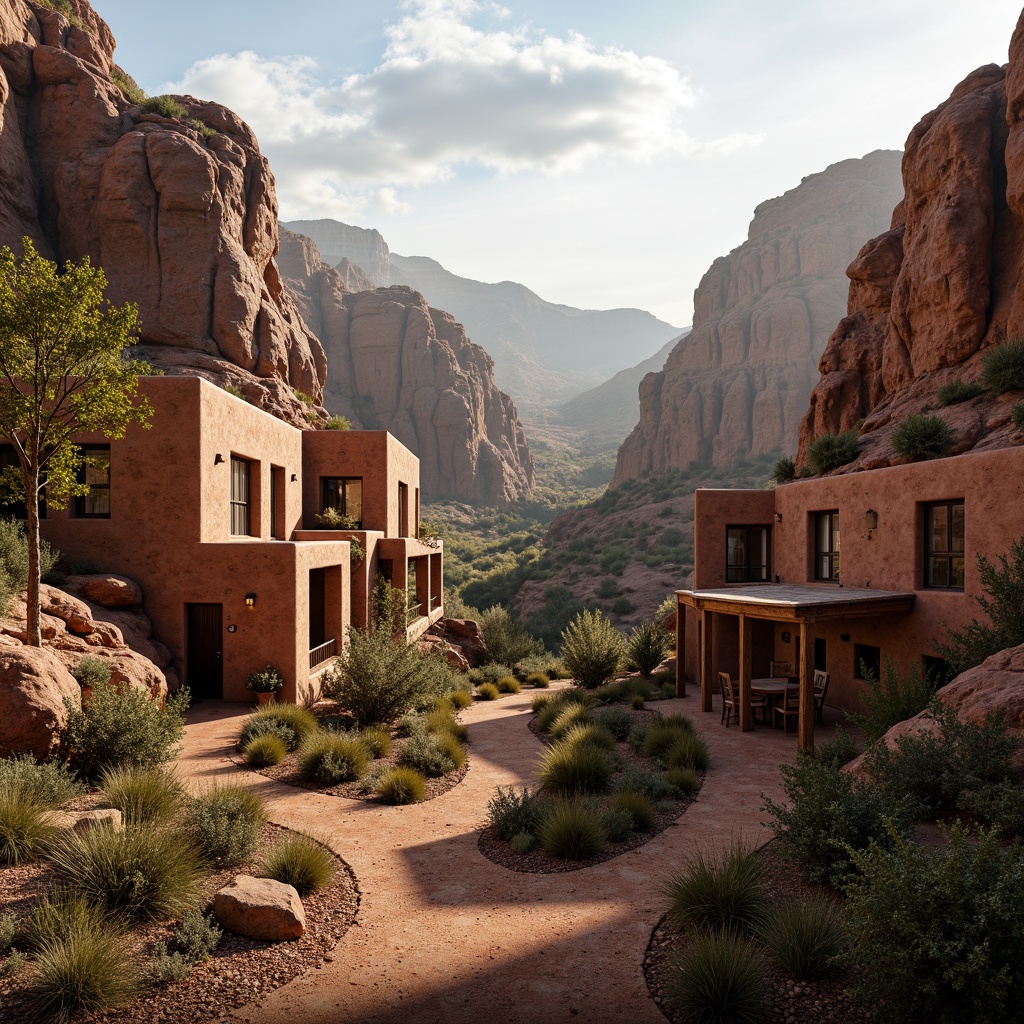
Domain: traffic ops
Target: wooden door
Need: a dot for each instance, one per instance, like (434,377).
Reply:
(204,671)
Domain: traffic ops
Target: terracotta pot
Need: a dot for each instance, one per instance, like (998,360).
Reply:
(264,698)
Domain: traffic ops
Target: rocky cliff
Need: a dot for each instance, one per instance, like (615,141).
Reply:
(944,284)
(180,211)
(739,383)
(395,363)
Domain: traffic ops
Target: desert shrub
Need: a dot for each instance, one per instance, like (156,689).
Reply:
(784,470)
(25,831)
(622,606)
(165,106)
(522,842)
(377,679)
(661,736)
(617,721)
(301,861)
(607,588)
(427,755)
(401,786)
(891,699)
(648,644)
(954,392)
(575,768)
(460,698)
(937,933)
(506,639)
(197,936)
(592,648)
(638,736)
(719,979)
(572,831)
(289,721)
(57,912)
(377,741)
(617,824)
(828,815)
(47,784)
(1003,602)
(830,451)
(920,436)
(623,690)
(445,724)
(634,779)
(639,807)
(8,930)
(225,823)
(14,558)
(333,519)
(685,780)
(165,966)
(840,750)
(511,812)
(337,423)
(1017,415)
(91,672)
(327,759)
(114,729)
(688,751)
(489,673)
(451,747)
(509,684)
(1002,367)
(133,92)
(718,891)
(597,735)
(538,680)
(142,795)
(806,937)
(570,714)
(487,691)
(140,873)
(265,750)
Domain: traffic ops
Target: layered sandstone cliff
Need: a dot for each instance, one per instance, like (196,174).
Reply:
(738,384)
(395,363)
(180,212)
(944,284)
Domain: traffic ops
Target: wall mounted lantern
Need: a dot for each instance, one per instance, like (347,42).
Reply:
(295,477)
(250,602)
(218,459)
(778,517)
(871,519)
(786,637)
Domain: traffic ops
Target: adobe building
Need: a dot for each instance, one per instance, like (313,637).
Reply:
(843,571)
(211,509)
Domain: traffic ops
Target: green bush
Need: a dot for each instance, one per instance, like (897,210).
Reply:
(511,813)
(688,751)
(48,784)
(661,736)
(617,825)
(489,673)
(634,779)
(142,795)
(784,470)
(572,831)
(522,842)
(460,698)
(685,780)
(225,823)
(622,606)
(487,691)
(1017,415)
(114,729)
(640,809)
(509,684)
(617,721)
(166,967)
(14,559)
(921,437)
(624,690)
(451,747)
(197,936)
(538,680)
(596,735)
(332,519)
(165,106)
(141,873)
(719,979)
(937,934)
(717,891)
(570,769)
(265,750)
(891,699)
(289,721)
(427,755)
(607,588)
(444,723)
(828,815)
(337,423)
(133,92)
(265,680)
(830,451)
(954,392)
(91,672)
(377,741)
(506,639)
(807,938)
(592,649)
(569,715)
(25,831)
(401,786)
(300,861)
(8,930)
(1002,367)
(327,759)
(840,750)
(648,644)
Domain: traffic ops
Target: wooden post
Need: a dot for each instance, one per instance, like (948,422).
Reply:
(746,657)
(680,648)
(805,723)
(704,624)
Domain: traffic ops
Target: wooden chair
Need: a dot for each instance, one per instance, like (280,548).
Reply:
(789,707)
(731,700)
(780,669)
(820,689)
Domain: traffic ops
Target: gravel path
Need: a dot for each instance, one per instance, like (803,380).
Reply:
(445,935)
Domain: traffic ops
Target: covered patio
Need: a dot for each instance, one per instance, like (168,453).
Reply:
(800,607)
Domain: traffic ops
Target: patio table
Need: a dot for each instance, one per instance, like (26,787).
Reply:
(773,688)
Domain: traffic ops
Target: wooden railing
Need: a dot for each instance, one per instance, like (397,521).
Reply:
(323,653)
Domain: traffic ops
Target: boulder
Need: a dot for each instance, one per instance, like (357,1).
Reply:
(62,605)
(127,668)
(466,636)
(112,591)
(104,817)
(260,908)
(33,687)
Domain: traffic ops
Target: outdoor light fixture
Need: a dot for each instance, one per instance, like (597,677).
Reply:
(218,459)
(250,601)
(871,519)
(294,477)
(786,637)
(778,517)
(845,637)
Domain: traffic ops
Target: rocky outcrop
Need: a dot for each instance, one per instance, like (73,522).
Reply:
(397,364)
(34,683)
(179,211)
(738,384)
(943,285)
(364,249)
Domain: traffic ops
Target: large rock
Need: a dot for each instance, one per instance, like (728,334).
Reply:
(396,364)
(260,908)
(33,687)
(738,384)
(465,634)
(112,591)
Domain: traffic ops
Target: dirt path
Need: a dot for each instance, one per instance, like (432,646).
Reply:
(443,934)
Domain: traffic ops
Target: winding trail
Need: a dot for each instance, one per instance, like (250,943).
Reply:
(445,935)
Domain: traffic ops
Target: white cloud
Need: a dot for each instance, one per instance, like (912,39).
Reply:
(452,90)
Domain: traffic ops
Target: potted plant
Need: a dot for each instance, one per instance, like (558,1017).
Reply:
(265,682)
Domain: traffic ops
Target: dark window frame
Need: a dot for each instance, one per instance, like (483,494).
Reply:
(749,571)
(326,501)
(240,504)
(17,509)
(950,556)
(831,554)
(85,504)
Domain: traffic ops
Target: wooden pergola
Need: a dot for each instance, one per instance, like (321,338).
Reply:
(799,606)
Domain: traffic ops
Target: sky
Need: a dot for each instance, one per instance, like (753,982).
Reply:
(601,154)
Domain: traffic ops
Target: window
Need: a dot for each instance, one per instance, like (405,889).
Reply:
(867,660)
(944,545)
(277,502)
(95,473)
(826,546)
(9,458)
(239,497)
(344,493)
(403,510)
(747,554)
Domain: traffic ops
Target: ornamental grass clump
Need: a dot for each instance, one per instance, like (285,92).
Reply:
(142,795)
(572,831)
(640,808)
(327,759)
(688,751)
(25,830)
(377,741)
(719,978)
(401,786)
(538,680)
(265,750)
(592,649)
(301,861)
(58,912)
(807,937)
(617,824)
(718,891)
(460,698)
(569,769)
(487,691)
(567,717)
(508,684)
(443,722)
(685,780)
(662,735)
(596,735)
(288,721)
(225,823)
(920,437)
(452,749)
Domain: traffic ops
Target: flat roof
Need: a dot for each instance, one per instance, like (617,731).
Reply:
(795,601)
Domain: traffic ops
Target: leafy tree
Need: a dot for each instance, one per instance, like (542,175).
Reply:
(63,372)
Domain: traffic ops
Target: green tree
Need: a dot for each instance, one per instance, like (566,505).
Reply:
(63,372)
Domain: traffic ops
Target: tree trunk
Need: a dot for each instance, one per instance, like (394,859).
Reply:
(35,634)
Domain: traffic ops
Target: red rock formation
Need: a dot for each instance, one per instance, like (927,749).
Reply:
(738,384)
(944,284)
(397,364)
(182,216)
